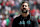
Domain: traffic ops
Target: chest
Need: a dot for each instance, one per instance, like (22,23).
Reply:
(23,23)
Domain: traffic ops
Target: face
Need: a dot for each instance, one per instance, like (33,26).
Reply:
(25,8)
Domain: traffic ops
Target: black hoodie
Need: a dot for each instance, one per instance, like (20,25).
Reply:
(25,22)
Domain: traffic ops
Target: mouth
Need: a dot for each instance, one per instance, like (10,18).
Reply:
(24,11)
(24,8)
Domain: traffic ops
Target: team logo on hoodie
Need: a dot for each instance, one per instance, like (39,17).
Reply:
(28,22)
(22,22)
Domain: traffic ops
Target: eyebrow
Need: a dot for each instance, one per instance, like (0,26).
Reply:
(24,5)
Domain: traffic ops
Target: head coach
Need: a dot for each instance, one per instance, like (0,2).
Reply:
(25,20)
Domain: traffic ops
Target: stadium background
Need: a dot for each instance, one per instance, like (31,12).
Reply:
(9,9)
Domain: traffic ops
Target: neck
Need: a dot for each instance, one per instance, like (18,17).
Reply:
(25,14)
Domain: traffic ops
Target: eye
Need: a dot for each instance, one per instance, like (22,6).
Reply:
(24,5)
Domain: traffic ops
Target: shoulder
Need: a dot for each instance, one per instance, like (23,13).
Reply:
(33,19)
(17,18)
(4,22)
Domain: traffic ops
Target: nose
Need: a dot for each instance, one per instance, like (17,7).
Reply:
(23,6)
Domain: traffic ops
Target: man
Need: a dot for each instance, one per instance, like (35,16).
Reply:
(25,20)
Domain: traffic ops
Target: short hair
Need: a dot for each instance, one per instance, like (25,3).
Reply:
(25,2)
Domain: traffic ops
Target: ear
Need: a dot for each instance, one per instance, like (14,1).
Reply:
(21,8)
(28,8)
